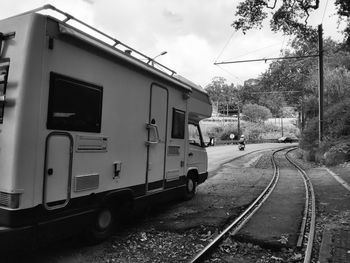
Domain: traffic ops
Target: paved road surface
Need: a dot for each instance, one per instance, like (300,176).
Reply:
(218,155)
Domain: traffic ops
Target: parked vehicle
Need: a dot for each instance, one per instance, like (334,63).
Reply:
(286,140)
(87,130)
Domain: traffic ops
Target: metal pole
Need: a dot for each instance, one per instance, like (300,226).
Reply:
(320,94)
(282,124)
(238,121)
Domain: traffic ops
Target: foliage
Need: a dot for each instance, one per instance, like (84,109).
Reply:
(249,92)
(337,120)
(311,107)
(214,131)
(256,113)
(219,90)
(343,10)
(336,126)
(227,131)
(215,88)
(253,131)
(309,136)
(288,16)
(295,82)
(223,95)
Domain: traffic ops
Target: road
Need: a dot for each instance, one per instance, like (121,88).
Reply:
(218,155)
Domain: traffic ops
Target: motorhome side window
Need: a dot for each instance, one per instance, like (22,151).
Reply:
(74,105)
(194,135)
(178,129)
(4,67)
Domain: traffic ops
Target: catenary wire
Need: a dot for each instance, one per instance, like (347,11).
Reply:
(324,11)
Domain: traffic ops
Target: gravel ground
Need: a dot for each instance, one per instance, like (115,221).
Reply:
(175,232)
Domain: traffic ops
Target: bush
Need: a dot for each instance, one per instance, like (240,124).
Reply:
(228,130)
(256,113)
(337,120)
(336,126)
(336,134)
(309,136)
(254,131)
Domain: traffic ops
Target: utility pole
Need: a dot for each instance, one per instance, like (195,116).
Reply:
(238,121)
(320,93)
(282,124)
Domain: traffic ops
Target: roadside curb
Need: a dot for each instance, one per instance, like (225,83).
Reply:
(325,254)
(339,179)
(335,245)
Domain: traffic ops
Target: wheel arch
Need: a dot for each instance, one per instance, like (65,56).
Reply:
(193,173)
(118,196)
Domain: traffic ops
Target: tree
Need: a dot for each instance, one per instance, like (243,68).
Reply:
(256,113)
(223,95)
(215,88)
(248,92)
(288,16)
(344,13)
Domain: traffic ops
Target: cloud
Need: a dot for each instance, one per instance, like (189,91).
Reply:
(193,32)
(172,17)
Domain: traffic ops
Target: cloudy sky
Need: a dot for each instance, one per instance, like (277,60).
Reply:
(195,33)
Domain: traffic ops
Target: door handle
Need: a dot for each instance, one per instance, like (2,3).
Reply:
(50,171)
(155,128)
(190,154)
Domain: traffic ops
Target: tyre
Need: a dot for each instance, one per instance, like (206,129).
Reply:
(102,225)
(190,188)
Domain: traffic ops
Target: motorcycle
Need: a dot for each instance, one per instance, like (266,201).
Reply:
(241,146)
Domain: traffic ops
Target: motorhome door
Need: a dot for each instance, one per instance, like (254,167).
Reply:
(157,133)
(57,172)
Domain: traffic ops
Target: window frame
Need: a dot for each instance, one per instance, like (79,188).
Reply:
(50,122)
(202,145)
(182,134)
(4,68)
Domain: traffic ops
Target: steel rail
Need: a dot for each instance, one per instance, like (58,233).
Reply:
(311,216)
(241,220)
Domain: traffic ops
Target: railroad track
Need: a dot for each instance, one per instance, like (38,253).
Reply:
(307,230)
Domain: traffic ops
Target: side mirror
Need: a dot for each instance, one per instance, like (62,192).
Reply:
(211,142)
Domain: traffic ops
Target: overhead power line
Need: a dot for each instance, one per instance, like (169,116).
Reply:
(324,11)
(283,91)
(264,59)
(228,41)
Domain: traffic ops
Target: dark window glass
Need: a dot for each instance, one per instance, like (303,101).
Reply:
(74,105)
(178,130)
(194,135)
(4,68)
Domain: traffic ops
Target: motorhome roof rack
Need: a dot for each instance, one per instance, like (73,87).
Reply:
(114,41)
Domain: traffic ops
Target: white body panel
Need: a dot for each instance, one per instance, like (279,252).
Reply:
(118,156)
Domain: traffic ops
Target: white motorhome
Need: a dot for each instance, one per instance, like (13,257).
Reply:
(86,128)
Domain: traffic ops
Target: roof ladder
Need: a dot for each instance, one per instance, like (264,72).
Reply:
(115,42)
